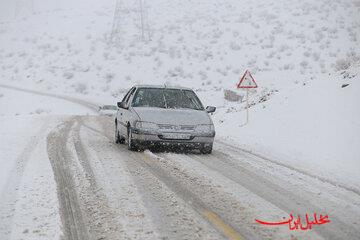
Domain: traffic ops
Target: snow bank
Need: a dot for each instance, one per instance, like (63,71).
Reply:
(312,127)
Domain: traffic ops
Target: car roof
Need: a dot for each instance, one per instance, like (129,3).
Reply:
(160,86)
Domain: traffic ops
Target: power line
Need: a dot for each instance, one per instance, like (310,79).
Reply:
(115,36)
(119,18)
(145,29)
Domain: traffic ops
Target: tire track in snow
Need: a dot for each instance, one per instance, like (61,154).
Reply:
(172,207)
(99,216)
(84,209)
(275,194)
(60,159)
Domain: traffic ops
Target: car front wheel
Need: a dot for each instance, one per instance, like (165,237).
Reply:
(118,138)
(206,149)
(130,141)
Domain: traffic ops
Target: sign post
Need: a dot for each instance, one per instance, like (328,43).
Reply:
(247,106)
(247,82)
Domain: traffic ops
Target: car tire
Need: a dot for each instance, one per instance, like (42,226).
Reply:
(117,136)
(206,150)
(130,142)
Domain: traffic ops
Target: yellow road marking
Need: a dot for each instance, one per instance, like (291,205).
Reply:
(228,231)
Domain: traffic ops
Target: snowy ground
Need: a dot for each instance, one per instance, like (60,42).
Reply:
(29,206)
(25,178)
(312,128)
(107,192)
(301,53)
(296,50)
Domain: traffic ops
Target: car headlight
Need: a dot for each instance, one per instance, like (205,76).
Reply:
(206,128)
(146,125)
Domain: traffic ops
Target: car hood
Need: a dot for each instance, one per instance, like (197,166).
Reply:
(173,116)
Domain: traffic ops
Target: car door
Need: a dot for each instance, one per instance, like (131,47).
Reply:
(120,113)
(124,113)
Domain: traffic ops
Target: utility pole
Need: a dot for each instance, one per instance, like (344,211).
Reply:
(145,30)
(116,33)
(142,19)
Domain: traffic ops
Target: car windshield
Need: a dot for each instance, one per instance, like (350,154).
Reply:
(166,98)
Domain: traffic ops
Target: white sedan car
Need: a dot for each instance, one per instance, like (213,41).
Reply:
(164,116)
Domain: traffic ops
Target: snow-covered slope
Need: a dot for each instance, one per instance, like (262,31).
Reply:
(296,50)
(312,127)
(203,44)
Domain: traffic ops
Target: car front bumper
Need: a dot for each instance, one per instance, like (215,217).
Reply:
(155,138)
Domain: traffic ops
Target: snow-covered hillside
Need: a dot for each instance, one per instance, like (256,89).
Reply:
(313,127)
(204,44)
(300,53)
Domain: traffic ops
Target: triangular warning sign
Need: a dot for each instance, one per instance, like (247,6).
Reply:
(247,81)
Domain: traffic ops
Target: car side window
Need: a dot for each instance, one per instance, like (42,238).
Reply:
(127,100)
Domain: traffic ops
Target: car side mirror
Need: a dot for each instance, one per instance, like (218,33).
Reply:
(121,105)
(210,109)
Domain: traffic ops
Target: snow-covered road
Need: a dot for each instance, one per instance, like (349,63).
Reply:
(168,195)
(63,177)
(105,191)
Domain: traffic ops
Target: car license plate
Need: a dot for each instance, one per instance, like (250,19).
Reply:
(176,136)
